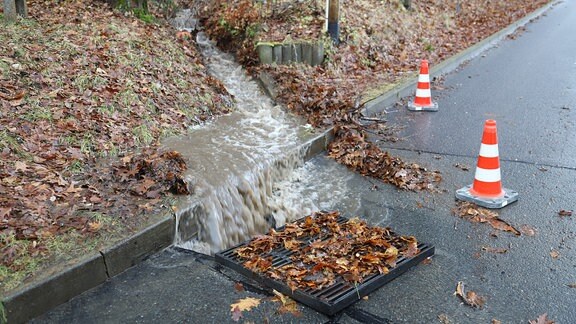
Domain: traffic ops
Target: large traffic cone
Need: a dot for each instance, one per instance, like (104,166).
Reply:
(423,100)
(487,188)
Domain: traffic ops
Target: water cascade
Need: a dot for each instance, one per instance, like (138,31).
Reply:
(236,163)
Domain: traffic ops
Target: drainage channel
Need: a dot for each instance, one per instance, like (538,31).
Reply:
(240,166)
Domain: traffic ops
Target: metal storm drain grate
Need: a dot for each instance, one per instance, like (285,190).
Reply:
(328,298)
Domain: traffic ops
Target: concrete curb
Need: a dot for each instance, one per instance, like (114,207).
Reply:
(81,275)
(39,297)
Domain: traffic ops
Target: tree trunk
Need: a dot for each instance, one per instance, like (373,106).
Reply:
(333,21)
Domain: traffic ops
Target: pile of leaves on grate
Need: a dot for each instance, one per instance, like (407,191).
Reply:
(350,250)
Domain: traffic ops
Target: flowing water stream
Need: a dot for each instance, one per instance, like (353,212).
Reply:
(239,166)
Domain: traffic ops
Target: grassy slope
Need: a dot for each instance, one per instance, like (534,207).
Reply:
(82,88)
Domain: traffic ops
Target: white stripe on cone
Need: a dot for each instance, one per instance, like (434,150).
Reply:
(423,93)
(489,150)
(424,78)
(487,175)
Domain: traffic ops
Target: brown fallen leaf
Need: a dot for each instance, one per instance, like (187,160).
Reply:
(477,214)
(542,319)
(427,261)
(20,166)
(94,226)
(236,314)
(245,304)
(528,230)
(498,223)
(470,297)
(572,285)
(462,167)
(412,250)
(4,212)
(563,213)
(239,286)
(289,305)
(554,254)
(443,318)
(495,321)
(494,250)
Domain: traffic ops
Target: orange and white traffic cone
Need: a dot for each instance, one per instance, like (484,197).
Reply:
(487,188)
(423,100)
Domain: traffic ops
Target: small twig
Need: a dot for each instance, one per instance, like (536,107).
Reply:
(374,119)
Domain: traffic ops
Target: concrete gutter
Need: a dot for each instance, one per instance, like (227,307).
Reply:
(79,276)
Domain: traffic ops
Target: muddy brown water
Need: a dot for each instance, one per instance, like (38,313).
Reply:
(239,165)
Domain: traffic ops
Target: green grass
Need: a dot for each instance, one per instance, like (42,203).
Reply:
(76,167)
(86,82)
(9,141)
(26,263)
(4,69)
(87,144)
(143,135)
(127,97)
(107,109)
(36,111)
(144,15)
(3,318)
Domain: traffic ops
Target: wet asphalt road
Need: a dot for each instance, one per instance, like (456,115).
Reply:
(528,84)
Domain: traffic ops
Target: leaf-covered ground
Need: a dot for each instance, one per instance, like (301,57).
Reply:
(381,44)
(86,93)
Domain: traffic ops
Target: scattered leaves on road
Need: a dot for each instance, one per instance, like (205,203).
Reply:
(554,254)
(542,319)
(443,318)
(565,213)
(470,297)
(288,305)
(474,213)
(462,167)
(238,286)
(527,230)
(352,149)
(242,305)
(494,250)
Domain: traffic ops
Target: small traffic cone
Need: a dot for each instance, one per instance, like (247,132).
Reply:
(423,100)
(487,188)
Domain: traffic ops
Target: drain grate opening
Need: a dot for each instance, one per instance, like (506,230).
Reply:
(328,299)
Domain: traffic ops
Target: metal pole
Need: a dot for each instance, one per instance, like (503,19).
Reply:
(333,21)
